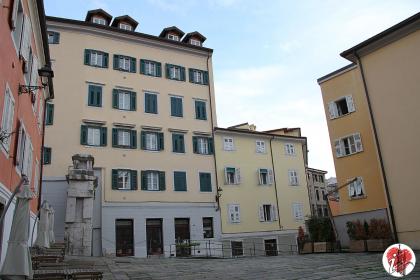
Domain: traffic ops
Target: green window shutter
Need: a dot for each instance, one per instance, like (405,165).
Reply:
(158,69)
(142,66)
(191,78)
(115,179)
(83,135)
(168,66)
(178,143)
(203,111)
(87,57)
(133,139)
(195,144)
(144,180)
(161,141)
(154,102)
(200,110)
(99,96)
(105,64)
(181,143)
(197,110)
(150,103)
(174,143)
(133,101)
(180,108)
(50,114)
(176,107)
(205,78)
(103,136)
(116,61)
(183,74)
(134,179)
(133,65)
(115,104)
(210,145)
(173,106)
(147,105)
(205,182)
(91,95)
(47,155)
(143,140)
(162,180)
(180,181)
(115,137)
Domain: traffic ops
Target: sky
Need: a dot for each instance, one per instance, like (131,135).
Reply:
(267,54)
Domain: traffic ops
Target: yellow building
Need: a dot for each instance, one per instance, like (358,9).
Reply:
(370,105)
(143,107)
(263,194)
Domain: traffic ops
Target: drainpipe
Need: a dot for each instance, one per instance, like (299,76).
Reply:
(378,148)
(275,181)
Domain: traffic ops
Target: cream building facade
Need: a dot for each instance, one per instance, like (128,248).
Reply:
(263,195)
(143,106)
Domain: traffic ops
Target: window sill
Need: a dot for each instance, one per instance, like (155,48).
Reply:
(97,66)
(179,153)
(124,190)
(177,117)
(124,147)
(93,146)
(338,117)
(153,190)
(180,190)
(358,197)
(343,156)
(152,151)
(200,119)
(151,113)
(151,75)
(206,191)
(173,79)
(203,154)
(124,110)
(123,70)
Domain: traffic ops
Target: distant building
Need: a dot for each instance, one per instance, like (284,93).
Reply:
(317,192)
(371,107)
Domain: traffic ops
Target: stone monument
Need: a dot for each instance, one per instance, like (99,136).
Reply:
(79,211)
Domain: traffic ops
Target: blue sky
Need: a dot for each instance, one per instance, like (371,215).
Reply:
(267,54)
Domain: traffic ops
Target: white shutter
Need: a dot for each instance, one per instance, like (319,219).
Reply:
(332,108)
(230,213)
(34,74)
(237,175)
(29,161)
(337,145)
(350,103)
(351,189)
(14,13)
(290,175)
(237,213)
(259,176)
(261,213)
(270,177)
(226,176)
(358,142)
(25,44)
(19,148)
(274,212)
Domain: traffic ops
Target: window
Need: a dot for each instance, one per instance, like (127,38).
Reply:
(36,179)
(228,144)
(53,37)
(348,145)
(49,118)
(93,135)
(341,107)
(175,72)
(46,159)
(150,103)
(357,189)
(99,20)
(265,176)
(321,178)
(317,195)
(323,195)
(17,22)
(125,63)
(234,213)
(173,37)
(297,209)
(96,58)
(319,211)
(7,118)
(289,149)
(29,64)
(176,106)
(124,138)
(125,26)
(152,180)
(198,76)
(124,100)
(205,182)
(150,68)
(195,42)
(232,176)
(180,181)
(178,145)
(202,145)
(152,141)
(200,110)
(260,146)
(293,178)
(267,213)
(94,96)
(208,227)
(237,248)
(124,179)
(24,153)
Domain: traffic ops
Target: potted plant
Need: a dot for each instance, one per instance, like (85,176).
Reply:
(358,234)
(305,246)
(322,234)
(379,235)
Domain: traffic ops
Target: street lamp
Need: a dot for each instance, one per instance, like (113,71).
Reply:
(45,73)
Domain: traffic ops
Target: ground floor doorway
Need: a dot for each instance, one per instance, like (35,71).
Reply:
(124,237)
(182,237)
(270,247)
(154,237)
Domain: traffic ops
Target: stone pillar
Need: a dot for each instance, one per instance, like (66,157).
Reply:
(80,194)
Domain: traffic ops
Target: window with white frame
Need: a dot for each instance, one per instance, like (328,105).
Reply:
(150,68)
(173,37)
(7,119)
(24,153)
(124,100)
(202,145)
(17,19)
(96,58)
(265,176)
(228,144)
(341,107)
(151,141)
(124,138)
(124,180)
(348,145)
(198,76)
(175,73)
(152,181)
(94,136)
(297,209)
(125,26)
(232,176)
(98,20)
(293,178)
(260,146)
(267,213)
(124,63)
(357,189)
(289,149)
(195,42)
(234,213)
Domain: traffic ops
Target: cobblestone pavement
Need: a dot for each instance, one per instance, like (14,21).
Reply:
(308,267)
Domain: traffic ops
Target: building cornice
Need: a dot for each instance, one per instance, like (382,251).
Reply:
(336,73)
(256,134)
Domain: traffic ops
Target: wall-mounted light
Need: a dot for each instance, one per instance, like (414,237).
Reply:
(45,73)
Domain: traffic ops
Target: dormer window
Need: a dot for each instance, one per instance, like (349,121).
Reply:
(173,37)
(98,20)
(125,26)
(195,42)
